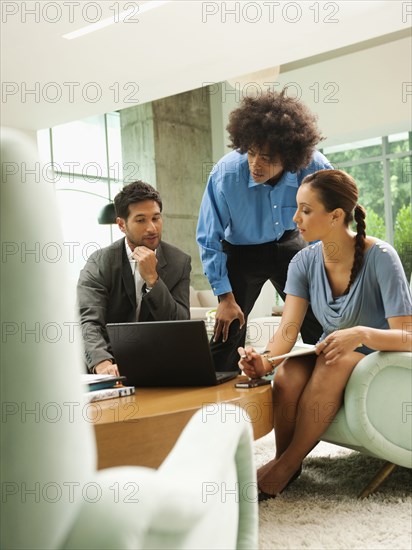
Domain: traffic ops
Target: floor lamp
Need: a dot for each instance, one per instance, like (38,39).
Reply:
(107,214)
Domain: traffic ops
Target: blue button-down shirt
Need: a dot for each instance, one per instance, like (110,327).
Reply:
(237,209)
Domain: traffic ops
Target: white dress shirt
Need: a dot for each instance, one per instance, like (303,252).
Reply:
(138,281)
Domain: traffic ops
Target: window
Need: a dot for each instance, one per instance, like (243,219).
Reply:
(87,173)
(382,169)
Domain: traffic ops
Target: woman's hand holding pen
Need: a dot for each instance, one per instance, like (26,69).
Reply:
(251,362)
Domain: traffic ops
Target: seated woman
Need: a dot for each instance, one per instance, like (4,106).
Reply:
(358,291)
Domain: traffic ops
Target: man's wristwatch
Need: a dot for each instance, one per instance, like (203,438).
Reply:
(149,288)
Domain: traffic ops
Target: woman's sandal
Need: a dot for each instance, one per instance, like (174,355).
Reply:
(262,495)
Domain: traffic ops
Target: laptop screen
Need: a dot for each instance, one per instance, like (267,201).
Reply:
(163,353)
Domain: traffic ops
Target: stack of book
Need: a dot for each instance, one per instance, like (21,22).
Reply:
(104,386)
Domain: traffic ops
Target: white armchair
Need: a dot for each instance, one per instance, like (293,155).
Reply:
(203,496)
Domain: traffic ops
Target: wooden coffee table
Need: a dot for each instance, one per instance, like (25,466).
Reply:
(142,429)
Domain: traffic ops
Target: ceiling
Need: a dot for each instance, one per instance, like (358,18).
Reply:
(181,45)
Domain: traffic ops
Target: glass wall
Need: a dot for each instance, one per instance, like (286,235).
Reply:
(85,163)
(382,168)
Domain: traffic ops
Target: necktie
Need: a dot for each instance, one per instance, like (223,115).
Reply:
(139,282)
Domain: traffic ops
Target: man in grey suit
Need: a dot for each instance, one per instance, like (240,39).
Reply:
(139,278)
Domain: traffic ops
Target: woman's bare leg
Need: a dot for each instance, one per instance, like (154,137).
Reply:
(318,405)
(289,382)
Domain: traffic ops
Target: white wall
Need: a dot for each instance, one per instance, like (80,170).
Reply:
(31,134)
(370,88)
(356,96)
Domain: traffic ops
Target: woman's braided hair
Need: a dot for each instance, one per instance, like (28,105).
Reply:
(337,189)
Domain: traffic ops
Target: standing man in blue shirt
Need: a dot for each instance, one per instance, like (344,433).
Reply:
(246,231)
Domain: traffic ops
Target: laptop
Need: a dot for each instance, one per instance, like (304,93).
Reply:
(165,353)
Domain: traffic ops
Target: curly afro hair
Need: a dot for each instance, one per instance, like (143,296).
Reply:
(282,123)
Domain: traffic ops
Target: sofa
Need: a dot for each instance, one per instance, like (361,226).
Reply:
(201,302)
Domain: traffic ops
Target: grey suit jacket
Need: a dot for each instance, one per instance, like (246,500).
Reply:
(106,294)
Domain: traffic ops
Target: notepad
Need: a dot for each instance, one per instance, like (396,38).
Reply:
(101,381)
(307,350)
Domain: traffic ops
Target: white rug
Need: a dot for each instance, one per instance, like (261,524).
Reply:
(320,510)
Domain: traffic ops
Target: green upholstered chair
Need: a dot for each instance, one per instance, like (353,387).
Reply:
(376,416)
(203,495)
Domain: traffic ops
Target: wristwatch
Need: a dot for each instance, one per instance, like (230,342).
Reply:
(266,355)
(149,288)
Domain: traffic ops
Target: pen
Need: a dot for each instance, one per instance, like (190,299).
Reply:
(261,353)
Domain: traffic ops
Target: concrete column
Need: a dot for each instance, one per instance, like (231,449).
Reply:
(170,141)
(138,146)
